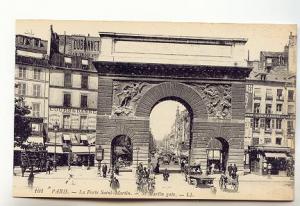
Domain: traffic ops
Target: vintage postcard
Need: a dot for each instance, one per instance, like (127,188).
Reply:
(149,110)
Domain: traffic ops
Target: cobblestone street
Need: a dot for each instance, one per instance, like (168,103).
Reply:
(88,183)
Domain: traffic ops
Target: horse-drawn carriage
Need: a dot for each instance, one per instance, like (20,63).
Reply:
(194,175)
(229,180)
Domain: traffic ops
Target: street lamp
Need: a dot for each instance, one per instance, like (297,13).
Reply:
(89,146)
(137,156)
(56,128)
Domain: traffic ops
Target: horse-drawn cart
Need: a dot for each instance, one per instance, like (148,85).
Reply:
(202,181)
(194,174)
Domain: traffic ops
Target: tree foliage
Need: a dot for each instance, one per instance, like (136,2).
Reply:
(22,128)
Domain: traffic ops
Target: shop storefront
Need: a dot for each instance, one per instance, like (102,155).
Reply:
(274,157)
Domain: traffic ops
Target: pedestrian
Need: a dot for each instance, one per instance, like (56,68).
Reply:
(70,177)
(166,175)
(234,171)
(269,170)
(48,168)
(23,168)
(104,170)
(31,179)
(156,170)
(114,184)
(212,170)
(182,164)
(230,170)
(117,169)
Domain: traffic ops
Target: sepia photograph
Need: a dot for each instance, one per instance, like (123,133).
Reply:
(154,110)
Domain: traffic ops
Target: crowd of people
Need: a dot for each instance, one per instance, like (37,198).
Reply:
(145,178)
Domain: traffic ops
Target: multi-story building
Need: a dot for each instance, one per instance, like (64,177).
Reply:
(72,104)
(270,113)
(32,81)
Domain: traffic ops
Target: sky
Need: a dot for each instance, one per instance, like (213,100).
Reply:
(267,37)
(163,117)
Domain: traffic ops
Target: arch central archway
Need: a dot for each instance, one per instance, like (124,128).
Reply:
(172,90)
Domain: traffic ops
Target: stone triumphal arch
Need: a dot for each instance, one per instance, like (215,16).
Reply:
(136,72)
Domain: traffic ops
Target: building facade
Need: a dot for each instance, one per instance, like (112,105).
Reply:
(270,114)
(73,86)
(73,106)
(32,82)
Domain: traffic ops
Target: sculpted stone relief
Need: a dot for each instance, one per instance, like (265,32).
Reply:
(125,96)
(217,98)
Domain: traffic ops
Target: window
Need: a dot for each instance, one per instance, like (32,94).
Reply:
(263,77)
(267,140)
(262,123)
(269,94)
(37,74)
(35,127)
(85,64)
(36,42)
(256,123)
(67,100)
(36,90)
(273,123)
(68,80)
(268,124)
(22,72)
(290,95)
(291,109)
(22,89)
(35,109)
(269,60)
(255,141)
(290,126)
(68,62)
(66,121)
(256,107)
(279,94)
(83,101)
(279,107)
(268,108)
(84,81)
(257,93)
(278,140)
(278,123)
(83,122)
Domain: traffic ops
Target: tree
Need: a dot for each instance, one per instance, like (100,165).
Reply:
(22,122)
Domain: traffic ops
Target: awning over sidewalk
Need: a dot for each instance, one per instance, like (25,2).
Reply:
(83,149)
(275,155)
(270,148)
(51,149)
(66,137)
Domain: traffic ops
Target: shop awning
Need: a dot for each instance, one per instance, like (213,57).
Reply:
(275,155)
(83,137)
(66,137)
(51,149)
(83,149)
(35,139)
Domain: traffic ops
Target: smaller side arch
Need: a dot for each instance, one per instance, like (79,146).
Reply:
(121,130)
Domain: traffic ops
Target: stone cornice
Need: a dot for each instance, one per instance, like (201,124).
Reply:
(173,39)
(106,68)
